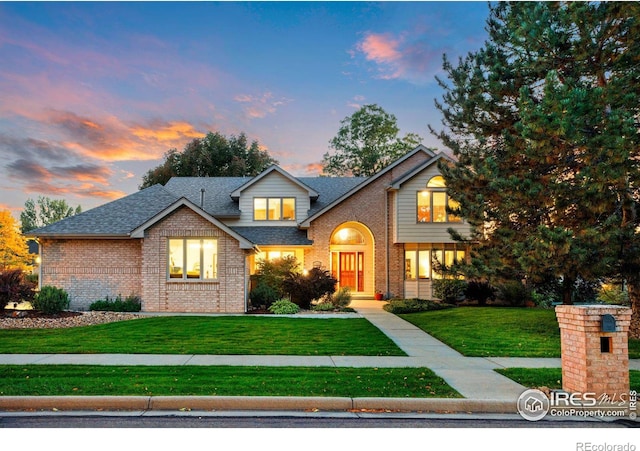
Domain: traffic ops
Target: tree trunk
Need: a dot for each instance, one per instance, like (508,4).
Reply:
(567,290)
(634,298)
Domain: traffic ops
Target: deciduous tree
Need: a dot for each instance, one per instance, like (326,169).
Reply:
(214,155)
(367,141)
(14,252)
(45,211)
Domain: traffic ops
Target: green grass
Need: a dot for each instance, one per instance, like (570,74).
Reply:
(233,335)
(69,380)
(552,377)
(497,331)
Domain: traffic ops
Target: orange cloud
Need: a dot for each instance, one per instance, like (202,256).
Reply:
(170,132)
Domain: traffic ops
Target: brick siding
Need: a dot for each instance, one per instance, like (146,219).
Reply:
(585,368)
(91,269)
(367,207)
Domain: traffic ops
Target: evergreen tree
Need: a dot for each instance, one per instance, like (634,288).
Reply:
(211,156)
(543,120)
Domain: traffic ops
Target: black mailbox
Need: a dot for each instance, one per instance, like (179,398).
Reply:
(608,323)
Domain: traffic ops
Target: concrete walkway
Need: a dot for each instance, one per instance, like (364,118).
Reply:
(473,377)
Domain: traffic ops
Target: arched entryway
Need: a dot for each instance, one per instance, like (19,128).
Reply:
(352,250)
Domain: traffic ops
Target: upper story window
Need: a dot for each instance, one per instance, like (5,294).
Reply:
(193,258)
(433,201)
(274,208)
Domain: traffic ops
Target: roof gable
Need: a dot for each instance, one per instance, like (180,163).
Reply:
(184,202)
(366,182)
(236,193)
(397,183)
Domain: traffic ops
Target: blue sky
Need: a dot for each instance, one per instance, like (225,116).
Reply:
(93,94)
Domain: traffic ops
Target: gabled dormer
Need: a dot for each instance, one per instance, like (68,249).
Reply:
(273,198)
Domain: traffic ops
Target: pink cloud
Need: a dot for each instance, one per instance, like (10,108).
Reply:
(260,106)
(381,48)
(407,56)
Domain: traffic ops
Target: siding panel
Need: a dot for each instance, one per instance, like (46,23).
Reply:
(408,230)
(273,185)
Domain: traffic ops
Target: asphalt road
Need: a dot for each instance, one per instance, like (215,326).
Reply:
(194,420)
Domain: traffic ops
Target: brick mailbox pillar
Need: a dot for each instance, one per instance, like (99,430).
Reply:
(594,343)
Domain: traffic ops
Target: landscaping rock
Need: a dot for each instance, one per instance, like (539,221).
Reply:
(25,319)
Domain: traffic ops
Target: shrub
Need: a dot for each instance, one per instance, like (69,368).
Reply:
(449,290)
(305,288)
(480,291)
(283,307)
(274,272)
(263,295)
(51,300)
(341,298)
(513,292)
(414,305)
(129,304)
(323,307)
(14,287)
(613,294)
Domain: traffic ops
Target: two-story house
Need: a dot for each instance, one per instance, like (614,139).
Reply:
(191,246)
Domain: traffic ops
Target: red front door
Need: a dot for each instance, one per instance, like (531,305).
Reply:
(350,270)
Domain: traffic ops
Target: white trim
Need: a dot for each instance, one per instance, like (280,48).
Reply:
(397,183)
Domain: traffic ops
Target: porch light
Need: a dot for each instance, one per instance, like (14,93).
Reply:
(305,272)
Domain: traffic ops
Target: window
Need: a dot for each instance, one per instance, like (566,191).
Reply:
(423,263)
(417,263)
(347,235)
(274,208)
(274,255)
(432,203)
(448,257)
(193,258)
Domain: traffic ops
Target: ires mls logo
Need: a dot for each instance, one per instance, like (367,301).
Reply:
(534,405)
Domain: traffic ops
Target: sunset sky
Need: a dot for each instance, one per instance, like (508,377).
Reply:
(93,94)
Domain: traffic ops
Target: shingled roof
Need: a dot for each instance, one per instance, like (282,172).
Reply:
(117,218)
(271,236)
(120,217)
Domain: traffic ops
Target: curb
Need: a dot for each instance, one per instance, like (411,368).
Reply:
(260,403)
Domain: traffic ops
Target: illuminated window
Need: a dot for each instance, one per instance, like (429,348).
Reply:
(424,264)
(347,235)
(274,208)
(193,258)
(274,255)
(417,263)
(432,203)
(448,257)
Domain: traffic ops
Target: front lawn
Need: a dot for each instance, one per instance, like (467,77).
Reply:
(235,335)
(497,331)
(70,380)
(552,377)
